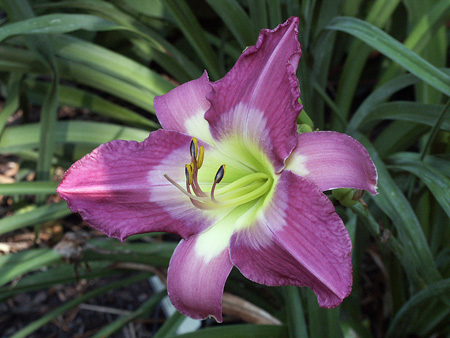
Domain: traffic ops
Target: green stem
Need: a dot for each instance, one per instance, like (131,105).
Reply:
(385,237)
(294,312)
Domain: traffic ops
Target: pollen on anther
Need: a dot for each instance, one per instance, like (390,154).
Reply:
(194,148)
(201,155)
(189,172)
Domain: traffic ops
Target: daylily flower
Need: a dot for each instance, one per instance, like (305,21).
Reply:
(229,174)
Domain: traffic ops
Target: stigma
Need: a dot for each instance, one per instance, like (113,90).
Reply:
(244,189)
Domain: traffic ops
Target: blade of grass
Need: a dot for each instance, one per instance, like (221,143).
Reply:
(20,10)
(35,325)
(391,242)
(321,55)
(63,274)
(393,49)
(83,99)
(421,34)
(258,15)
(155,254)
(378,15)
(274,9)
(422,113)
(34,215)
(28,188)
(235,19)
(378,96)
(295,316)
(438,184)
(111,63)
(238,331)
(398,136)
(142,312)
(165,54)
(92,77)
(56,23)
(322,322)
(435,130)
(170,326)
(408,313)
(36,259)
(12,99)
(395,205)
(187,22)
(25,137)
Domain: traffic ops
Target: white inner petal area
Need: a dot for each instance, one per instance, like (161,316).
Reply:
(245,135)
(198,126)
(214,240)
(297,163)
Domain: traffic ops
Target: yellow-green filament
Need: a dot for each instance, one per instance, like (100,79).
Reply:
(243,181)
(252,195)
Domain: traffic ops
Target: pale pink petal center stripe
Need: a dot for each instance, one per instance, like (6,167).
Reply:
(195,282)
(333,160)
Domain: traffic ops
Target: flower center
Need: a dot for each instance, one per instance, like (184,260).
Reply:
(245,189)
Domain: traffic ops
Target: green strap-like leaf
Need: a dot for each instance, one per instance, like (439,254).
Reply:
(295,315)
(393,49)
(28,188)
(235,18)
(438,184)
(37,258)
(238,331)
(79,98)
(25,137)
(12,99)
(56,24)
(378,96)
(142,312)
(395,205)
(193,32)
(427,114)
(170,326)
(409,312)
(30,328)
(422,32)
(34,216)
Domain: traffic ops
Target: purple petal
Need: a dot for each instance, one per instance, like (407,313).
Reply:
(196,280)
(333,160)
(257,101)
(299,240)
(119,188)
(183,108)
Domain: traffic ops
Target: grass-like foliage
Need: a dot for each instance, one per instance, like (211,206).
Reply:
(78,73)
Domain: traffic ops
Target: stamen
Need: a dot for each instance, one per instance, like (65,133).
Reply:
(189,171)
(194,148)
(201,155)
(220,174)
(192,197)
